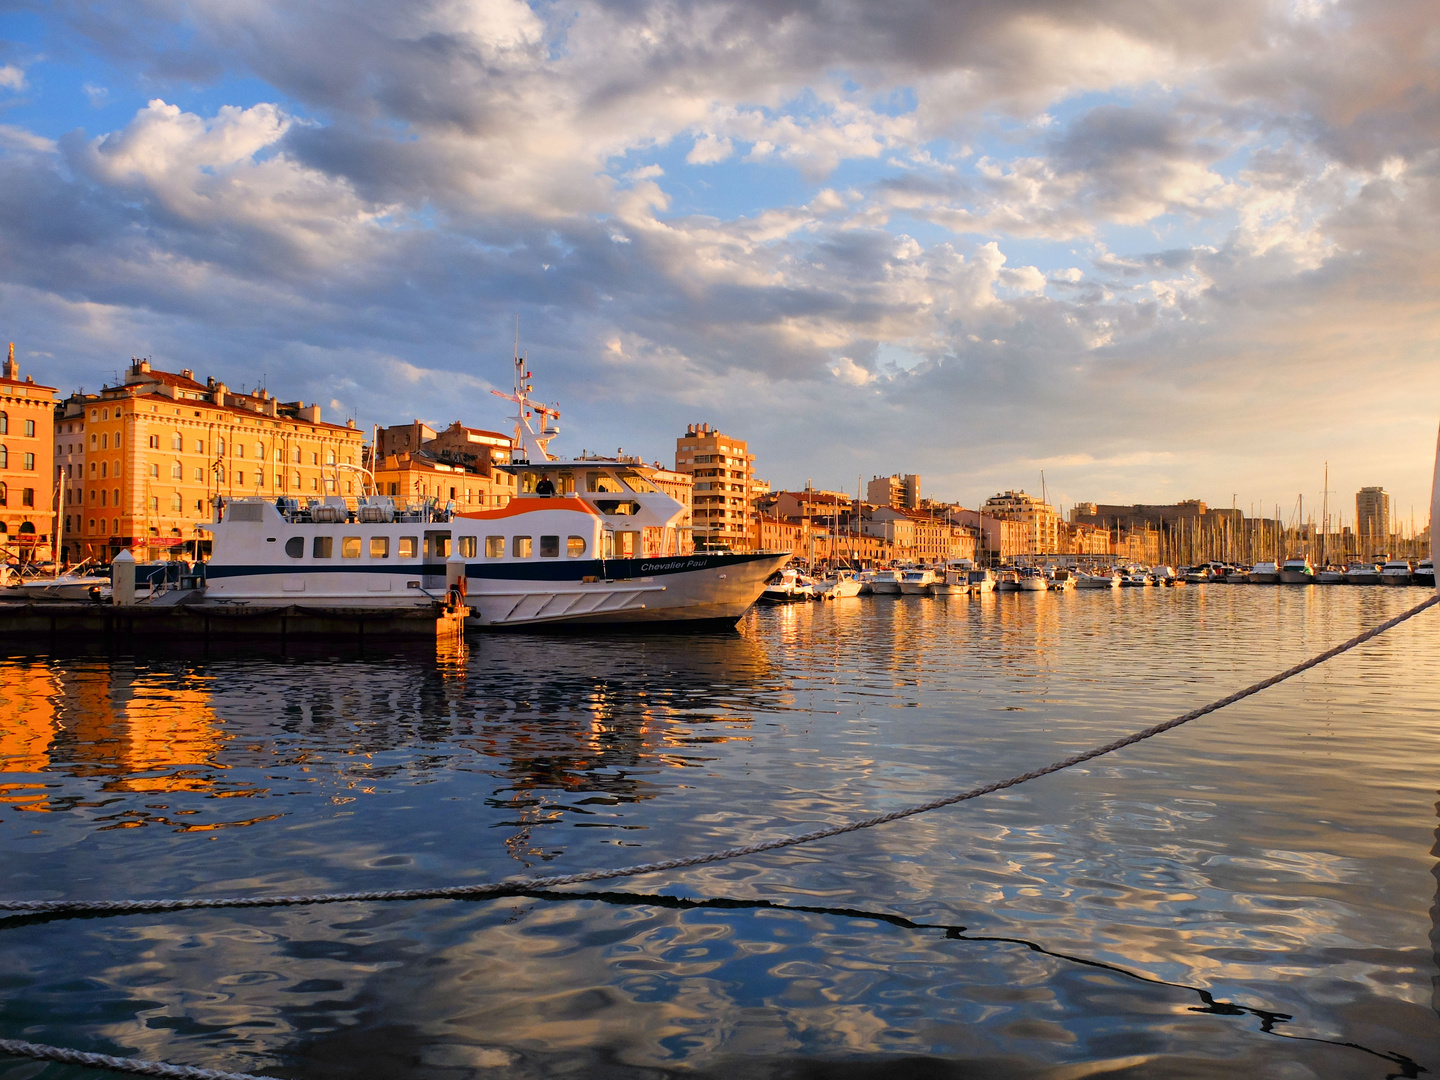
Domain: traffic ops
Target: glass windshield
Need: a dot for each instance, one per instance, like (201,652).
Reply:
(635,482)
(600,481)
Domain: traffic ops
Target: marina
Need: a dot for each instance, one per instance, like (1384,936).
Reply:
(1252,892)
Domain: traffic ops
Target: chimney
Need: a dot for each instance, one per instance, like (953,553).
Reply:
(12,369)
(187,373)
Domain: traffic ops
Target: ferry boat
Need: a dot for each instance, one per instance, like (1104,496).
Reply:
(570,548)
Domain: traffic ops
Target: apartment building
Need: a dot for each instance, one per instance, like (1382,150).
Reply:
(27,469)
(144,461)
(723,471)
(457,464)
(1040,519)
(1372,519)
(895,490)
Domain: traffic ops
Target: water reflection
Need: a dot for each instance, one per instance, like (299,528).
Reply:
(1249,895)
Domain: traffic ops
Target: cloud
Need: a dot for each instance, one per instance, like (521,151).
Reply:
(1081,225)
(12,77)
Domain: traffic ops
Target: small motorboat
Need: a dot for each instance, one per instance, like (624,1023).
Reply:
(1297,571)
(1362,573)
(1397,572)
(1329,575)
(980,581)
(917,582)
(1424,573)
(1032,579)
(886,582)
(1099,579)
(840,585)
(788,586)
(1265,573)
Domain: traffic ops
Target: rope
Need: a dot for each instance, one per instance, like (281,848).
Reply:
(513,885)
(41,1052)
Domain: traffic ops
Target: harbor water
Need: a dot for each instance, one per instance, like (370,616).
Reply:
(1252,894)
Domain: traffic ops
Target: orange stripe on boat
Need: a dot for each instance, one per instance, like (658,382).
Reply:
(518,505)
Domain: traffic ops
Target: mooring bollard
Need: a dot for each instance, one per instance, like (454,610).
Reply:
(455,588)
(122,579)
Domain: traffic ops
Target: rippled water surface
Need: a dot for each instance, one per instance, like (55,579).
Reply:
(1253,894)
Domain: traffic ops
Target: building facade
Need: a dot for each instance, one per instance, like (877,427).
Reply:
(27,467)
(1372,519)
(145,460)
(723,470)
(457,464)
(894,490)
(1039,518)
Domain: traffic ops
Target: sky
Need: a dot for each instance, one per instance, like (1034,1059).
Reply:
(1153,250)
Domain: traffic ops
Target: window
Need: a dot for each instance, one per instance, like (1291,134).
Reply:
(330,457)
(219,447)
(175,504)
(259,477)
(297,481)
(177,471)
(295,547)
(494,547)
(30,428)
(154,470)
(239,449)
(4,423)
(94,414)
(67,523)
(199,475)
(219,474)
(104,442)
(4,495)
(154,502)
(199,446)
(549,547)
(297,455)
(153,442)
(314,458)
(104,414)
(5,458)
(323,547)
(379,547)
(467,547)
(520,547)
(575,547)
(104,468)
(597,481)
(279,455)
(408,546)
(92,469)
(27,496)
(314,484)
(350,547)
(176,442)
(259,451)
(69,496)
(199,506)
(92,525)
(239,478)
(627,545)
(94,440)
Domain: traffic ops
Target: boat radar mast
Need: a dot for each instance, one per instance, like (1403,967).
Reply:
(530,444)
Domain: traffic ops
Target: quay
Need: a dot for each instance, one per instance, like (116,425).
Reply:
(58,619)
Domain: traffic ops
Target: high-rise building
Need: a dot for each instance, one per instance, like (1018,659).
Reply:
(27,471)
(724,469)
(144,461)
(1040,518)
(1372,519)
(897,490)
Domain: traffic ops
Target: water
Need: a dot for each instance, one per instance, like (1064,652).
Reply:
(1254,893)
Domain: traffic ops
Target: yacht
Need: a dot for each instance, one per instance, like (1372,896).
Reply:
(1032,579)
(886,582)
(1424,573)
(918,582)
(980,581)
(1297,571)
(1265,573)
(1060,578)
(954,579)
(1329,575)
(1135,578)
(1237,575)
(1008,581)
(1163,575)
(787,586)
(1362,573)
(1197,575)
(1097,579)
(71,586)
(588,541)
(1397,572)
(839,585)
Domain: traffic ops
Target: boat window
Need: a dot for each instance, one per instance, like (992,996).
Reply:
(549,547)
(628,545)
(437,545)
(407,547)
(467,547)
(527,482)
(520,547)
(494,547)
(607,545)
(635,482)
(617,506)
(295,547)
(323,548)
(599,481)
(379,547)
(575,547)
(350,547)
(564,483)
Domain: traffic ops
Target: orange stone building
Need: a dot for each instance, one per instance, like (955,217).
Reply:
(27,467)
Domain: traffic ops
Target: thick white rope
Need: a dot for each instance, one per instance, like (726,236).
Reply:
(41,1052)
(491,888)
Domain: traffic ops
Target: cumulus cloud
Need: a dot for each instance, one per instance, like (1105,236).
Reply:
(1058,212)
